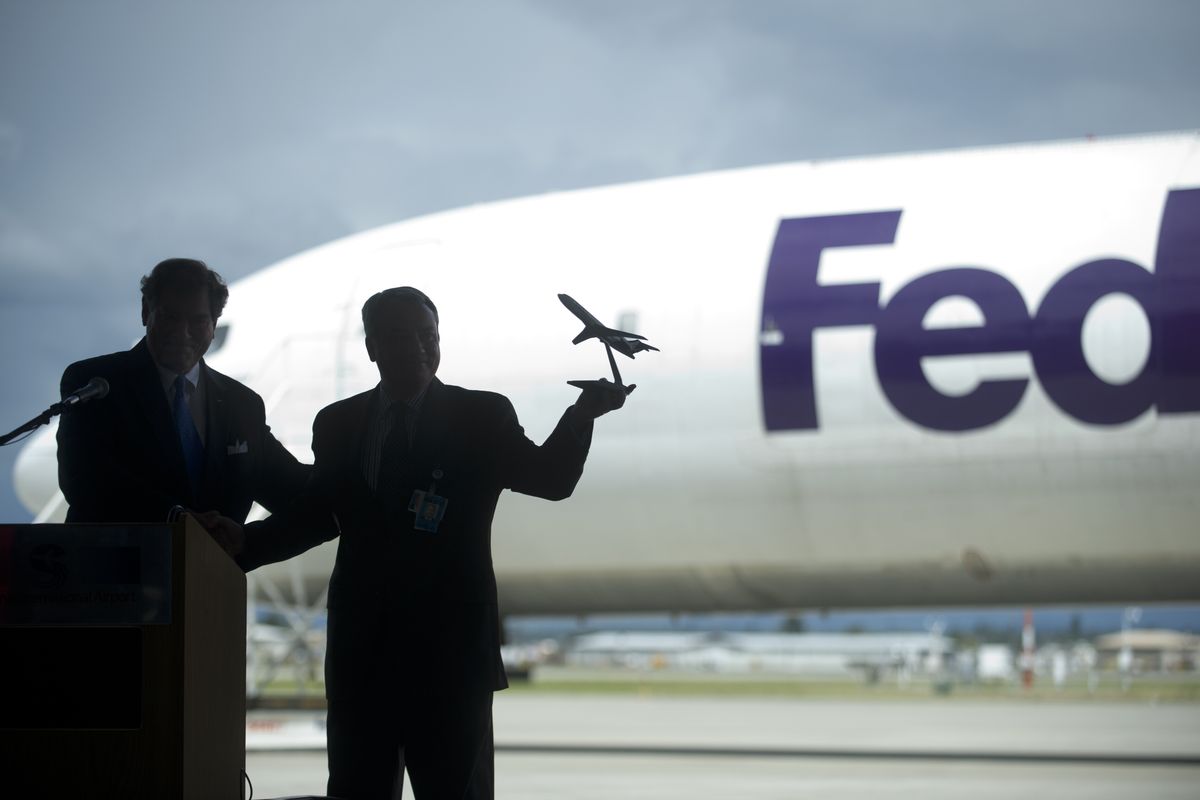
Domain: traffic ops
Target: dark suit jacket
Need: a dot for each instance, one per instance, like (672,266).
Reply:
(119,458)
(436,591)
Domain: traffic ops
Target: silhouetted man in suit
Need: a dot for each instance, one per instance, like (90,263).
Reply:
(413,470)
(172,433)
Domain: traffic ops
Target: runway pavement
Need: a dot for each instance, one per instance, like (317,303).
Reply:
(597,746)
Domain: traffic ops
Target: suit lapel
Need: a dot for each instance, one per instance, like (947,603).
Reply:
(351,426)
(358,424)
(216,422)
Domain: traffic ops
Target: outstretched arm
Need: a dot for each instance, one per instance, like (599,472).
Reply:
(552,470)
(306,520)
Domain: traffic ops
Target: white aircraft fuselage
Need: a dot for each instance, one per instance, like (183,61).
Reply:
(967,377)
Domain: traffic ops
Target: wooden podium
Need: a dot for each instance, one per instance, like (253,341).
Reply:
(122,663)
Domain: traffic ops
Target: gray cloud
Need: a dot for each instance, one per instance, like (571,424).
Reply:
(10,142)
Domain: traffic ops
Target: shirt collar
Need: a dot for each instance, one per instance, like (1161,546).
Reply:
(386,401)
(168,377)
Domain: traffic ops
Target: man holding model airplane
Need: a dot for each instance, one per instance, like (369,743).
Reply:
(412,470)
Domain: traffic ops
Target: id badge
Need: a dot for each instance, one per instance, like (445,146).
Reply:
(428,509)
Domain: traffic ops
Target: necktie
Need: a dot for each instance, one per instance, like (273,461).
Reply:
(391,465)
(189,437)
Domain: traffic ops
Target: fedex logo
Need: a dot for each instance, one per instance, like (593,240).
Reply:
(795,306)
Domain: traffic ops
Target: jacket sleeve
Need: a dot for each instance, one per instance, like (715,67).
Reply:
(301,521)
(551,470)
(282,478)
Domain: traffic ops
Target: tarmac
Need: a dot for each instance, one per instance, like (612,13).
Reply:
(586,747)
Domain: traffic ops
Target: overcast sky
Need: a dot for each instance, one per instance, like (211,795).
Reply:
(243,132)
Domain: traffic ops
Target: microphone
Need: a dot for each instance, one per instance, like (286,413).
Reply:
(96,389)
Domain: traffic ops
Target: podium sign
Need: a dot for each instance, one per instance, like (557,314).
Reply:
(85,575)
(122,662)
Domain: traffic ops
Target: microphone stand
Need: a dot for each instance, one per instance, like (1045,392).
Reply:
(38,421)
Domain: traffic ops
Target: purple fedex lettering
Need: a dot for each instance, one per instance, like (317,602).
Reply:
(901,341)
(1177,328)
(795,305)
(1057,347)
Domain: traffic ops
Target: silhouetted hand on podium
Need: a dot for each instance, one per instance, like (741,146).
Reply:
(224,531)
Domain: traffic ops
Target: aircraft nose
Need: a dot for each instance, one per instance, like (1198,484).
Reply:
(35,473)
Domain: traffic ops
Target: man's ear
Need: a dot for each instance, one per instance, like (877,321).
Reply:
(145,313)
(370,348)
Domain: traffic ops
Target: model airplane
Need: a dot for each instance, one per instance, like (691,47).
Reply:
(624,342)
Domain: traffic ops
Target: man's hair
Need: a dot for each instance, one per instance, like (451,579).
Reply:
(372,308)
(188,274)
